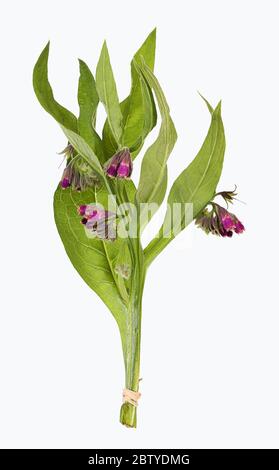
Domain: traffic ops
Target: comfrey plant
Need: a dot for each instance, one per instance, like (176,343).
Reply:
(100,213)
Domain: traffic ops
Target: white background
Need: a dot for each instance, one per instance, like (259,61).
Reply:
(210,344)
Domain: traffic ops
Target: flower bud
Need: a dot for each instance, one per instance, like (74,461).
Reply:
(66,177)
(65,183)
(120,165)
(123,270)
(125,167)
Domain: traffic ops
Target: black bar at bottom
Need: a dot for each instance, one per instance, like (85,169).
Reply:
(119,458)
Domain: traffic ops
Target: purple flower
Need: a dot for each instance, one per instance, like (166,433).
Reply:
(219,221)
(74,178)
(125,166)
(66,177)
(239,227)
(228,222)
(120,165)
(65,183)
(81,209)
(93,212)
(98,221)
(111,168)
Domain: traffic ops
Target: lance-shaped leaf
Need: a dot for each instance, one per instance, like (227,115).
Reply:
(108,94)
(195,186)
(197,183)
(88,100)
(92,258)
(45,96)
(138,109)
(149,110)
(153,169)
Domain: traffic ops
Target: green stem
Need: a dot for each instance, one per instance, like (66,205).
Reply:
(128,412)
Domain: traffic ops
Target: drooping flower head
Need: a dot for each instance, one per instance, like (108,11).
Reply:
(120,165)
(219,221)
(98,221)
(78,174)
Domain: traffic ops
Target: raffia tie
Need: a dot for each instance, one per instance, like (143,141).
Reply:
(129,396)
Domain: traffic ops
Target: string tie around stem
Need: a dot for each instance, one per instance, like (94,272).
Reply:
(129,396)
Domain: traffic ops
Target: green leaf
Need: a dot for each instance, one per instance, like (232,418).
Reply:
(138,109)
(149,109)
(45,96)
(109,143)
(140,112)
(209,107)
(84,150)
(196,185)
(88,102)
(153,169)
(108,94)
(147,51)
(92,258)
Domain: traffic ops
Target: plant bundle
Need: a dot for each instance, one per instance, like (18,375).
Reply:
(99,212)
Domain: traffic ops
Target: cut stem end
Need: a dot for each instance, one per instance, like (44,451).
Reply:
(128,415)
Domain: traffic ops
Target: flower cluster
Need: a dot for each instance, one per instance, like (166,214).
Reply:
(120,165)
(78,175)
(98,221)
(219,221)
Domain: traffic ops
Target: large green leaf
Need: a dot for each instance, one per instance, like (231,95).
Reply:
(88,102)
(153,169)
(138,109)
(45,96)
(108,94)
(92,258)
(196,185)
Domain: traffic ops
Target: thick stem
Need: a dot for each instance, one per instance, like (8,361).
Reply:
(128,412)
